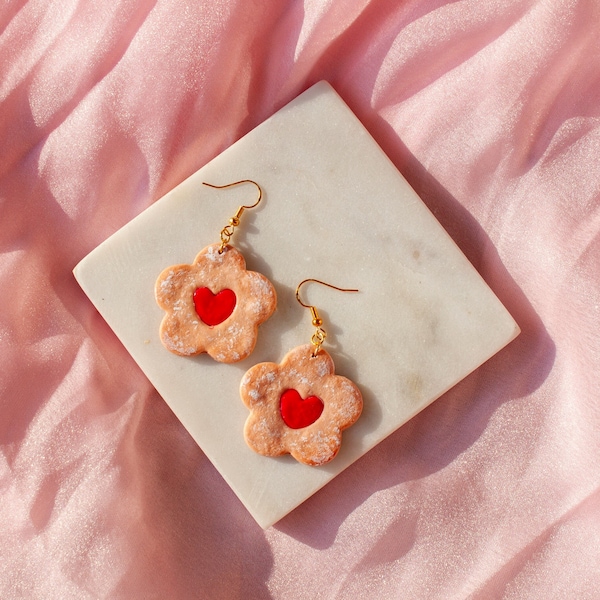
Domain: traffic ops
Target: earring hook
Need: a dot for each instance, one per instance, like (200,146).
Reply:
(320,334)
(228,230)
(222,187)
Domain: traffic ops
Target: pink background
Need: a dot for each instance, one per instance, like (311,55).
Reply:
(491,110)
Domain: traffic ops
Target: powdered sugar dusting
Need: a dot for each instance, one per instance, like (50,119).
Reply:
(213,255)
(322,368)
(175,344)
(167,282)
(260,283)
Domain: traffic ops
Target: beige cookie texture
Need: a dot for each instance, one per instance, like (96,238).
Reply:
(183,332)
(261,388)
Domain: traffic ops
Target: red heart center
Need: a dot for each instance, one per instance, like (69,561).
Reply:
(297,412)
(214,308)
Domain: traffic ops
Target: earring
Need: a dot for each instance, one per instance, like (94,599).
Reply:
(300,407)
(215,305)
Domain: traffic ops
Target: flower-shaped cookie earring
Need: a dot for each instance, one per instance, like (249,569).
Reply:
(215,305)
(300,407)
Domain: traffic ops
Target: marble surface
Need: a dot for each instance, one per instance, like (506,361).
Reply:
(335,208)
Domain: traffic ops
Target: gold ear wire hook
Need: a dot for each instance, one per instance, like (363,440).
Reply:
(228,230)
(320,334)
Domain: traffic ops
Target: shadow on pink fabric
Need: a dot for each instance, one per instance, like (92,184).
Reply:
(492,112)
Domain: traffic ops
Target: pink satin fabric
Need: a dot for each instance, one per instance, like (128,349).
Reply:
(491,109)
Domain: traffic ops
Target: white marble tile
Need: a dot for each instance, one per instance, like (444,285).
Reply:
(335,208)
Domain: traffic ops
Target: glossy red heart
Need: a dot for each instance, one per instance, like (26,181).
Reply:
(214,308)
(298,412)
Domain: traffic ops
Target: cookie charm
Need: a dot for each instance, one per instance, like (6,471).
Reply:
(300,406)
(214,305)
